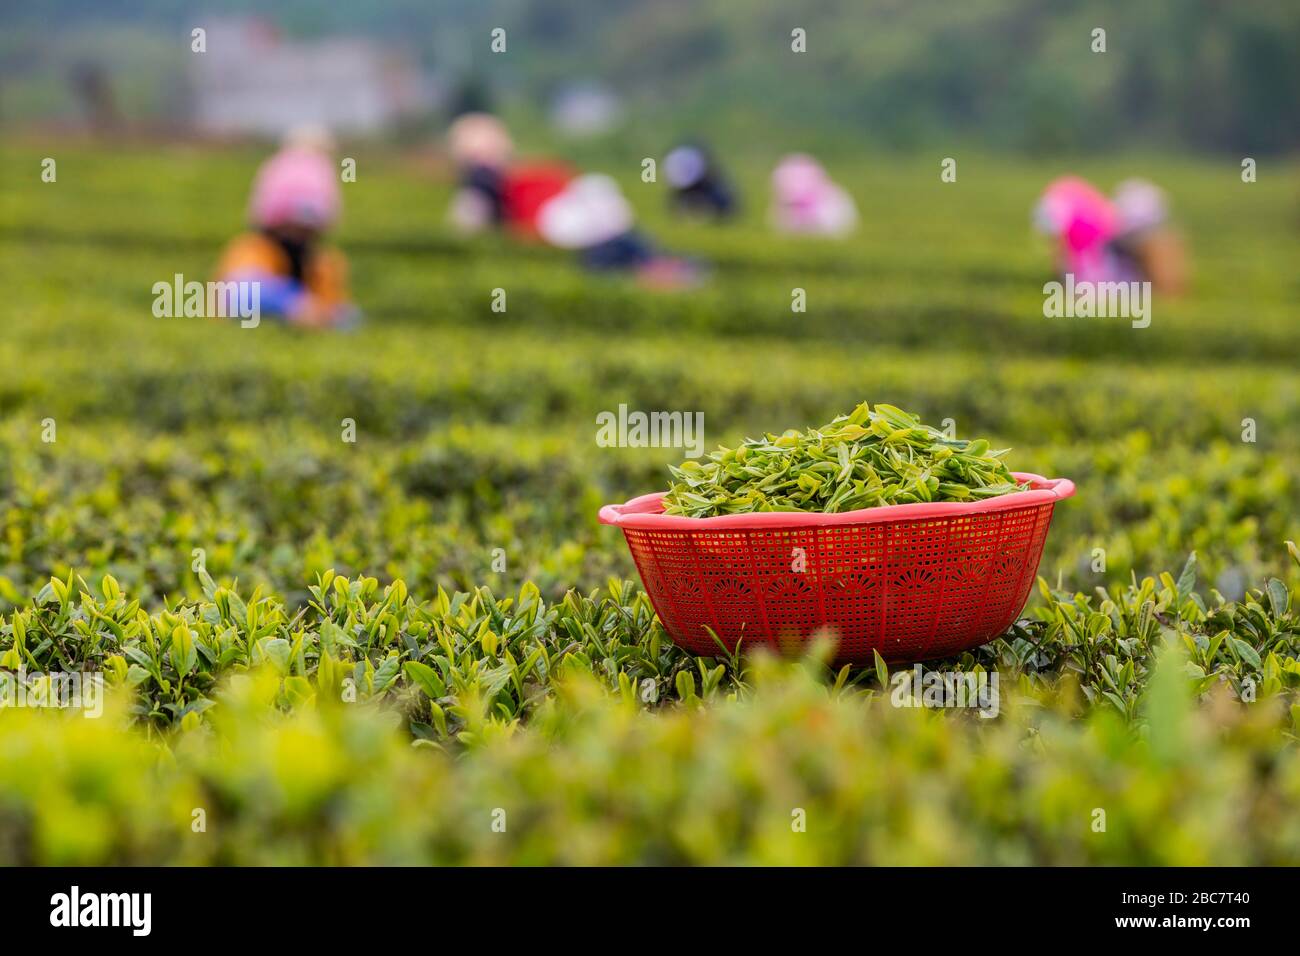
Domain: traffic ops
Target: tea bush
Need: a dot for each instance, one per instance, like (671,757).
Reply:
(786,774)
(354,652)
(465,664)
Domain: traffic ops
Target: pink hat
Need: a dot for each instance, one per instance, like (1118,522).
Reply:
(297,186)
(798,175)
(1077,212)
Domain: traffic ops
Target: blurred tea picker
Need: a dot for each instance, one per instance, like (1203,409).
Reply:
(1083,222)
(592,217)
(805,200)
(481,149)
(295,202)
(551,202)
(699,186)
(1128,239)
(1146,243)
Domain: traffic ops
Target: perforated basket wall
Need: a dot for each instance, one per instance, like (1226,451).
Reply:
(913,585)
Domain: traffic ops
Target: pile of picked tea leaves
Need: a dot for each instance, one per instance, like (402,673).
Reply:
(870,457)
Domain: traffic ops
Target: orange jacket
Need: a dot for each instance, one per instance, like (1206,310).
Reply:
(325,274)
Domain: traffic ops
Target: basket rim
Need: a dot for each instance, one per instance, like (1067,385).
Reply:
(645,513)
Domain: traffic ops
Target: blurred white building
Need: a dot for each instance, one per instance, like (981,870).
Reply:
(586,109)
(251,81)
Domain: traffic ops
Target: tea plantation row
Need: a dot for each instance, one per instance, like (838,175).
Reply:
(343,682)
(632,751)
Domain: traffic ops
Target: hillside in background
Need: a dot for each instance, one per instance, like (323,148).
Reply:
(1009,73)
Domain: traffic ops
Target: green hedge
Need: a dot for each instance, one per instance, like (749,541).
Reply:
(278,506)
(458,664)
(784,772)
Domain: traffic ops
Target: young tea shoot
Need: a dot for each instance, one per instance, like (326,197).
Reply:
(868,458)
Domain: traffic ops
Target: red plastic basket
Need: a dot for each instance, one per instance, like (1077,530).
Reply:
(914,582)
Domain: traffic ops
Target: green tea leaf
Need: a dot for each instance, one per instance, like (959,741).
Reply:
(426,678)
(842,466)
(1244,652)
(1278,596)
